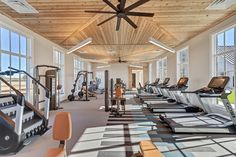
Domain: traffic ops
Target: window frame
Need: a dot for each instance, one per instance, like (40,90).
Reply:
(81,66)
(27,56)
(179,62)
(60,62)
(162,68)
(150,72)
(215,56)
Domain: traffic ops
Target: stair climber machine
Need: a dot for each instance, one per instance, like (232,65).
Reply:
(20,120)
(50,77)
(83,92)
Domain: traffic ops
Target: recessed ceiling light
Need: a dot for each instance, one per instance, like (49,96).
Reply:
(80,45)
(136,66)
(221,4)
(101,67)
(161,45)
(21,6)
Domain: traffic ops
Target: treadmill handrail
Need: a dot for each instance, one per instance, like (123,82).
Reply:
(35,80)
(194,92)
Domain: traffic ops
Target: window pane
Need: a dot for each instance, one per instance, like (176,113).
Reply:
(5,39)
(220,65)
(220,39)
(23,45)
(5,61)
(23,85)
(23,64)
(229,37)
(15,64)
(182,63)
(229,64)
(61,58)
(15,47)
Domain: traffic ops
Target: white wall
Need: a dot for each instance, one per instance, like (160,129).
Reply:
(200,59)
(200,56)
(117,70)
(171,64)
(42,51)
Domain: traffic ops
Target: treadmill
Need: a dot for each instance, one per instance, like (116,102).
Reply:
(150,89)
(159,94)
(172,106)
(165,91)
(208,122)
(176,114)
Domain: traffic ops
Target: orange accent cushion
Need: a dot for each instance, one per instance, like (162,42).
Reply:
(148,149)
(62,127)
(119,92)
(55,152)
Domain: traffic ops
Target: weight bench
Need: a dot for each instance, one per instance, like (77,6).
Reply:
(148,149)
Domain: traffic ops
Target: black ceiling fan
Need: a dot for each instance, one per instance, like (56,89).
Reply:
(121,12)
(122,61)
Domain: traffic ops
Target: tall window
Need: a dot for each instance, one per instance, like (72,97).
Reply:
(78,66)
(183,63)
(89,69)
(100,76)
(59,61)
(224,57)
(162,68)
(14,52)
(150,72)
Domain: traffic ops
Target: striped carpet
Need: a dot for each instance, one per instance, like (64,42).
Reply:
(121,135)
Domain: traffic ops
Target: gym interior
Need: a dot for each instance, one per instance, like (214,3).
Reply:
(117,78)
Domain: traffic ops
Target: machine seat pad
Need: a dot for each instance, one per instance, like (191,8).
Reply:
(148,149)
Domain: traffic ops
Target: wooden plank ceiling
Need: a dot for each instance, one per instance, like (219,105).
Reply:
(65,23)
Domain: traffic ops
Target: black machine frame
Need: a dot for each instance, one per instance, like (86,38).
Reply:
(13,141)
(52,82)
(72,96)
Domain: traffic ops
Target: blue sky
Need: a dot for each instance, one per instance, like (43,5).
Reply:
(229,38)
(15,43)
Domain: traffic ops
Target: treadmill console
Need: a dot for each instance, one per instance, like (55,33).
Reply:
(181,85)
(166,81)
(216,85)
(183,81)
(157,80)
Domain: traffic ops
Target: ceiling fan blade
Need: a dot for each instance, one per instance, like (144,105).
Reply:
(122,5)
(140,14)
(104,12)
(106,20)
(135,5)
(118,23)
(130,22)
(111,5)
